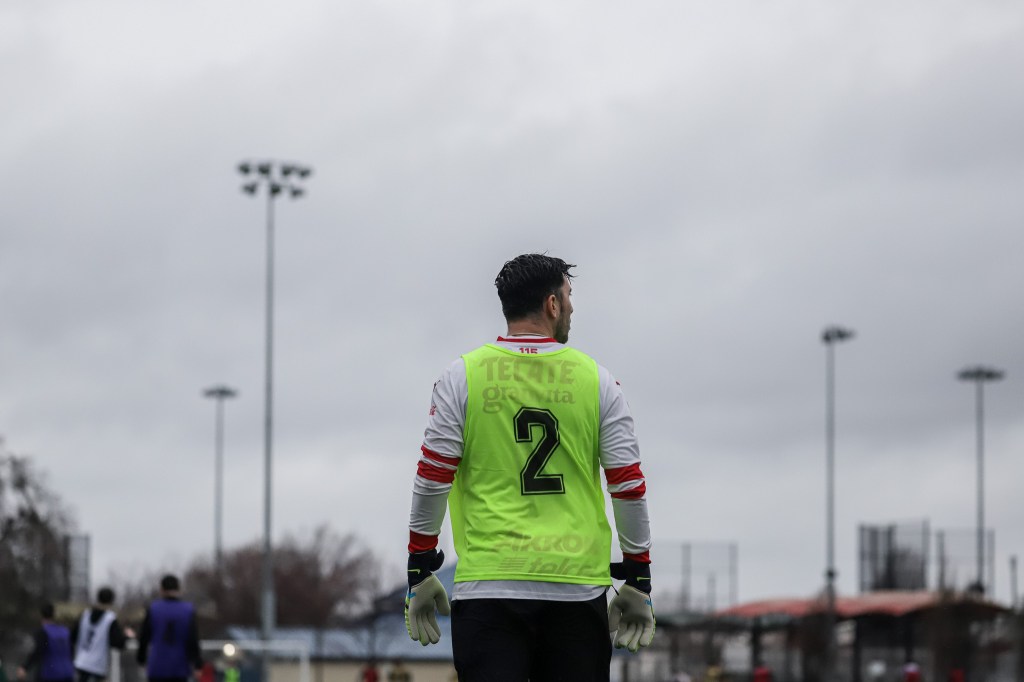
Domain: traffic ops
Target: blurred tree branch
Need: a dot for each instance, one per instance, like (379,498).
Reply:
(322,579)
(34,525)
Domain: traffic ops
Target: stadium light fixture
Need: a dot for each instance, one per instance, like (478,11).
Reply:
(273,181)
(979,375)
(834,333)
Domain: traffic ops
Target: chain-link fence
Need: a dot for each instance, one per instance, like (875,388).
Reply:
(697,576)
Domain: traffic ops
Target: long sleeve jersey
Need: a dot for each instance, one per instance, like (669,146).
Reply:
(442,451)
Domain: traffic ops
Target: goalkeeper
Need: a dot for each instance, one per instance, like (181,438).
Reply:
(517,434)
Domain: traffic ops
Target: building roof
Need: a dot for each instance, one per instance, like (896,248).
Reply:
(383,638)
(882,603)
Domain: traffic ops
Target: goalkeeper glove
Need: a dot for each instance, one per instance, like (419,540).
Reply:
(631,613)
(424,596)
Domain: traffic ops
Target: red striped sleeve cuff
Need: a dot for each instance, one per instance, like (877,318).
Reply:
(436,467)
(644,558)
(626,483)
(418,542)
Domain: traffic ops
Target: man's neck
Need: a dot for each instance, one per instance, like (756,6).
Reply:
(528,328)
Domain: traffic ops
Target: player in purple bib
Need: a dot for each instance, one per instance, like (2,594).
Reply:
(51,655)
(168,639)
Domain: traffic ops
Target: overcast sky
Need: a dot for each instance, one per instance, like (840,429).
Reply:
(730,177)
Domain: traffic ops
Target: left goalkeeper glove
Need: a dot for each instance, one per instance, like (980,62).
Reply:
(636,574)
(631,613)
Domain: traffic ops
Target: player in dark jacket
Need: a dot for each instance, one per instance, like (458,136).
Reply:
(51,655)
(169,639)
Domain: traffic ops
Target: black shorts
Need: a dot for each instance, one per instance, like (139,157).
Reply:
(85,676)
(515,640)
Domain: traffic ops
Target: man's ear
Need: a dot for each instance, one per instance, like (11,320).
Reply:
(551,305)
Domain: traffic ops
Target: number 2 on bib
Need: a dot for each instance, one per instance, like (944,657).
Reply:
(532,480)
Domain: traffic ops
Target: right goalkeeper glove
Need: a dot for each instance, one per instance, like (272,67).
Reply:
(424,596)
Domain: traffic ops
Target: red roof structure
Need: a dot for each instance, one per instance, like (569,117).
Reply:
(884,603)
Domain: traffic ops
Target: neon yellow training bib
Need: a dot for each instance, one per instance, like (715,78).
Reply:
(527,502)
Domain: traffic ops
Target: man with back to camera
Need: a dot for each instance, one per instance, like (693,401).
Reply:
(51,651)
(94,634)
(169,639)
(516,434)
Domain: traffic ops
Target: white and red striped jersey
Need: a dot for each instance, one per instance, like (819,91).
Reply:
(442,450)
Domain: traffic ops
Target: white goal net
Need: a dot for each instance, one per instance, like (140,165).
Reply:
(289,659)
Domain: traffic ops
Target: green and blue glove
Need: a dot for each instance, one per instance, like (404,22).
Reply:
(631,613)
(425,596)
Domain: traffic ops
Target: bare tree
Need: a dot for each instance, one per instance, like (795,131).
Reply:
(321,578)
(135,588)
(33,527)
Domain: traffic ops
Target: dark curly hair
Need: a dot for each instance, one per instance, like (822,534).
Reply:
(105,595)
(527,280)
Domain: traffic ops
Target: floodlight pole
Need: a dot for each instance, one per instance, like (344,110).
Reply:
(219,394)
(274,178)
(979,375)
(268,607)
(830,336)
(1013,582)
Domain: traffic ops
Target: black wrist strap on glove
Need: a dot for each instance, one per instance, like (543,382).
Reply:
(422,564)
(635,573)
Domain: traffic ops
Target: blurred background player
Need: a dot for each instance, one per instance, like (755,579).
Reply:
(51,651)
(94,634)
(517,435)
(399,673)
(370,673)
(169,639)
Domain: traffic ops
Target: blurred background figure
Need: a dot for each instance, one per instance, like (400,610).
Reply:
(399,673)
(370,673)
(51,652)
(94,634)
(169,639)
(207,673)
